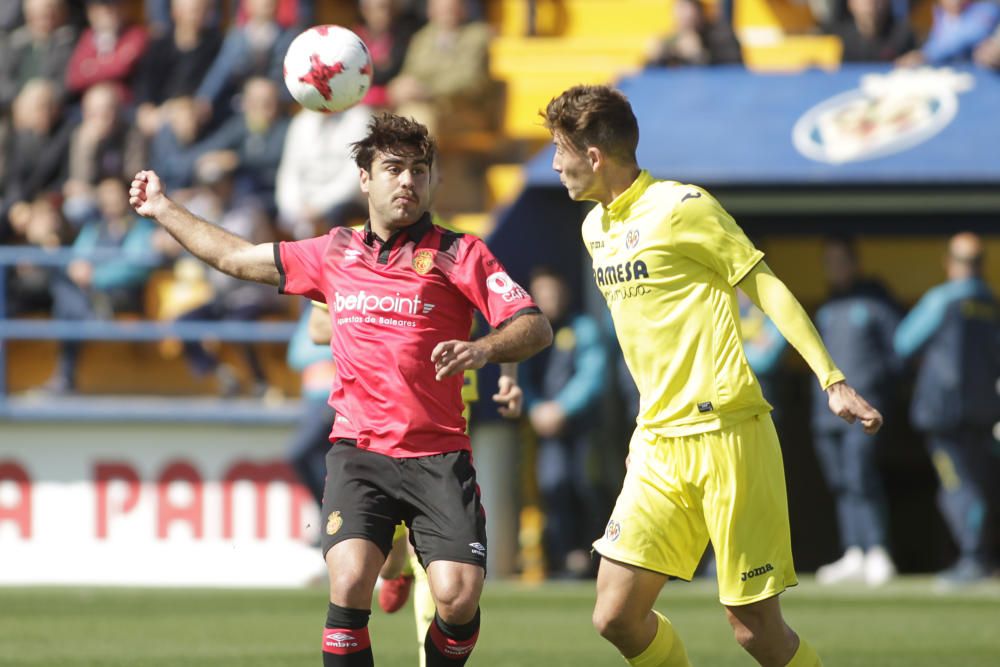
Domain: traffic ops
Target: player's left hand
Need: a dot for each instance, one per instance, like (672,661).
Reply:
(510,397)
(455,356)
(850,406)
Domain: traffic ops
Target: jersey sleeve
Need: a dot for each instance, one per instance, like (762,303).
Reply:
(483,280)
(701,229)
(300,267)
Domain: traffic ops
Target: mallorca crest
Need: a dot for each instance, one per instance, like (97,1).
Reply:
(334,523)
(888,113)
(423,261)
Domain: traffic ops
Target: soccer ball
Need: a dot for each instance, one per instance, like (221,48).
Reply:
(328,68)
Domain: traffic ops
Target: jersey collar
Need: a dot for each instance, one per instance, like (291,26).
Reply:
(618,209)
(415,231)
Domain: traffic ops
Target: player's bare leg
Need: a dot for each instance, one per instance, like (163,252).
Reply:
(456,588)
(623,614)
(353,566)
(396,561)
(763,633)
(397,577)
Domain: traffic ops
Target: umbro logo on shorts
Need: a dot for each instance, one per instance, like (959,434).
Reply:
(478,549)
(756,572)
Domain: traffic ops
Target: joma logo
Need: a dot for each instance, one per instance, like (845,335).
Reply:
(756,572)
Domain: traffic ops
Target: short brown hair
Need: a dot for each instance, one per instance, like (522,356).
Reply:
(393,135)
(597,116)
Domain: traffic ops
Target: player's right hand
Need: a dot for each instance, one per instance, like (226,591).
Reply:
(146,194)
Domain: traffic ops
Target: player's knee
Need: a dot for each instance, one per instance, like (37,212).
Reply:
(745,637)
(456,604)
(759,634)
(612,624)
(349,586)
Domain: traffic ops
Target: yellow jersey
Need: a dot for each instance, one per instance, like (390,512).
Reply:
(666,257)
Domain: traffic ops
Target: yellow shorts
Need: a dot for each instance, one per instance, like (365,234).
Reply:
(726,486)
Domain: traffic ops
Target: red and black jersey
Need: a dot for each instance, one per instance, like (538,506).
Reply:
(390,304)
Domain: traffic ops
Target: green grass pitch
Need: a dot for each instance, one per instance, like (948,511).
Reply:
(906,624)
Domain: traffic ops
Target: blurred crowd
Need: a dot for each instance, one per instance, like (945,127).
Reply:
(89,96)
(870,31)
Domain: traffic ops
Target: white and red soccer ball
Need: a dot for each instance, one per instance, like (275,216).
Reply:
(328,68)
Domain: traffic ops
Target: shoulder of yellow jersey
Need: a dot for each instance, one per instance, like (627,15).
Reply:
(671,194)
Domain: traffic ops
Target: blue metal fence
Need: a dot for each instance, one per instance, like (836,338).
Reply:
(111,330)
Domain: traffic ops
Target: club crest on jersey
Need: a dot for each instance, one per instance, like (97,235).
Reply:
(423,261)
(632,239)
(613,531)
(334,523)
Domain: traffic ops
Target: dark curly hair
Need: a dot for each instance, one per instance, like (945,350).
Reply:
(598,116)
(390,134)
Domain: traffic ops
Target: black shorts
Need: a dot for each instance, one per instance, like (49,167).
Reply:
(368,494)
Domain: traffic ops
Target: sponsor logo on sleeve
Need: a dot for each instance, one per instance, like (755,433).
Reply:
(502,284)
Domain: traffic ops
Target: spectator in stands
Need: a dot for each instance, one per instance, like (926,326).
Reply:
(108,51)
(103,287)
(873,33)
(987,54)
(256,48)
(11,18)
(697,40)
(39,224)
(39,49)
(387,32)
(174,149)
(103,145)
(857,321)
(958,27)
(250,144)
(956,326)
(317,180)
(160,20)
(175,62)
(446,73)
(34,147)
(309,445)
(563,386)
(289,13)
(216,198)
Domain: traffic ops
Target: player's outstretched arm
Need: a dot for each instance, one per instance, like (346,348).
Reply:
(772,296)
(210,243)
(523,337)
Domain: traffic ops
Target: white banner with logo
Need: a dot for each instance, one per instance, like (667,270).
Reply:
(153,505)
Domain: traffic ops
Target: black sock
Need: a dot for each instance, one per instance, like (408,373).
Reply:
(449,645)
(345,639)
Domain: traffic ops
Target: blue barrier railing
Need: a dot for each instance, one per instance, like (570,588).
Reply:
(144,331)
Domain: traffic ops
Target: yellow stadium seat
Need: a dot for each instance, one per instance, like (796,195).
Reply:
(794,53)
